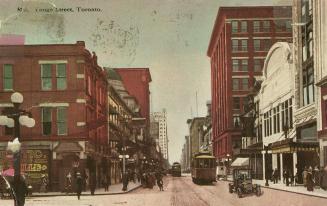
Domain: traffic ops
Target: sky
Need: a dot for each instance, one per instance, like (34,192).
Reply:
(170,37)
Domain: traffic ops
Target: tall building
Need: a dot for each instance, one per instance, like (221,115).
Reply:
(320,59)
(161,118)
(66,92)
(239,43)
(196,133)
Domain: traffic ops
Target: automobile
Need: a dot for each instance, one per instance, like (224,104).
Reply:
(242,183)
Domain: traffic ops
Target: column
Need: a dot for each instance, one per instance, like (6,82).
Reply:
(294,163)
(281,166)
(274,161)
(264,166)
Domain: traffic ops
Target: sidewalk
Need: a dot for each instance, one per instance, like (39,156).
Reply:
(299,189)
(113,190)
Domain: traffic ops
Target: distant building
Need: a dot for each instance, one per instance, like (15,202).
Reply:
(239,43)
(161,118)
(195,134)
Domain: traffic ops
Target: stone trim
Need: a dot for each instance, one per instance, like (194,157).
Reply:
(80,101)
(80,76)
(54,104)
(80,124)
(53,61)
(6,105)
(80,61)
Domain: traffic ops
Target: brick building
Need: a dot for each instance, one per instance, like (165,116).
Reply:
(66,92)
(239,43)
(136,82)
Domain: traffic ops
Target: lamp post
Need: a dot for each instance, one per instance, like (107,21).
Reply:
(266,164)
(13,119)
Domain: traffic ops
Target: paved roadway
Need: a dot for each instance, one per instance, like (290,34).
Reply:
(180,191)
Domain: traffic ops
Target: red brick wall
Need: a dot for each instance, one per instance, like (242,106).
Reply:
(219,51)
(137,82)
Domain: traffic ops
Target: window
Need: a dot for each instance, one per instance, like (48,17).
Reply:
(308,85)
(275,120)
(236,85)
(46,76)
(266,44)
(234,26)
(236,103)
(278,119)
(256,26)
(234,45)
(256,44)
(61,76)
(258,65)
(244,66)
(46,121)
(244,26)
(61,121)
(245,84)
(279,25)
(266,26)
(235,65)
(236,121)
(7,77)
(244,45)
(288,25)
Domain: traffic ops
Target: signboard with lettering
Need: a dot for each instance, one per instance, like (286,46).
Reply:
(35,164)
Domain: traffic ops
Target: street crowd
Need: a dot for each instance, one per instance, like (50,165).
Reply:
(310,178)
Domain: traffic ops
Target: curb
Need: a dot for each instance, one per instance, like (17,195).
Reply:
(85,194)
(278,189)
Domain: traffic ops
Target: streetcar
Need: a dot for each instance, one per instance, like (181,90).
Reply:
(176,170)
(203,168)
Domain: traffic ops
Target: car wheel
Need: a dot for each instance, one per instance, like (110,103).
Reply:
(258,191)
(239,192)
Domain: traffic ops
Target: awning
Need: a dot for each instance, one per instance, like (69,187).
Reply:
(240,162)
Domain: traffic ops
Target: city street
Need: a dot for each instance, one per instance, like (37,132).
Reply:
(180,191)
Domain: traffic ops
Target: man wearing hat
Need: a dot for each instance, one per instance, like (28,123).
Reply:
(79,184)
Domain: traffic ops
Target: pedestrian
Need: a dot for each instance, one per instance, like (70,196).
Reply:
(275,176)
(159,180)
(316,175)
(304,176)
(68,186)
(284,176)
(287,176)
(92,183)
(324,179)
(106,182)
(20,190)
(44,183)
(79,184)
(310,182)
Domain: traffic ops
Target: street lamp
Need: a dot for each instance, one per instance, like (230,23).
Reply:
(266,164)
(13,119)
